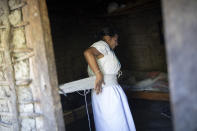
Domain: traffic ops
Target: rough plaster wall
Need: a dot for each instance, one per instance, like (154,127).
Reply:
(21,72)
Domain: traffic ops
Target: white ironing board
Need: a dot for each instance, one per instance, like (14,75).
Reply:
(82,84)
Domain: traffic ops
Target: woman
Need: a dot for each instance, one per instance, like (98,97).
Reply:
(109,102)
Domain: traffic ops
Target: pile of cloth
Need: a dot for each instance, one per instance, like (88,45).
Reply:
(152,81)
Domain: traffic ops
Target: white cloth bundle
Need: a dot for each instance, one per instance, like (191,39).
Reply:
(86,83)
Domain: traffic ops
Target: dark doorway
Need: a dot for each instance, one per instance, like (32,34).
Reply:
(141,53)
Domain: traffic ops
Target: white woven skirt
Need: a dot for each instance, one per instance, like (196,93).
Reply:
(111,110)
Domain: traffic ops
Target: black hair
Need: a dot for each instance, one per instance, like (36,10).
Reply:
(106,31)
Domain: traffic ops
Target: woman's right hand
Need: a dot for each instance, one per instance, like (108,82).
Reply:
(98,83)
(91,54)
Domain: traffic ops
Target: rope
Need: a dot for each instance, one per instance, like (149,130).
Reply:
(87,112)
(84,94)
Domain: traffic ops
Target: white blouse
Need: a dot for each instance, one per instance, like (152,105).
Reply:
(109,64)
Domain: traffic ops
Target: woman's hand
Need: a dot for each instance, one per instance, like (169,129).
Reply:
(98,83)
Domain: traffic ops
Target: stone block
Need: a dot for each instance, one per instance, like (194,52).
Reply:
(5,91)
(24,94)
(6,119)
(2,128)
(26,108)
(18,39)
(21,70)
(12,3)
(15,17)
(28,124)
(4,106)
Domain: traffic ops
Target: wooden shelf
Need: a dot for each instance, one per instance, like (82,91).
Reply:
(148,95)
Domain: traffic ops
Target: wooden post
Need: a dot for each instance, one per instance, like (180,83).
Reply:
(180,18)
(43,69)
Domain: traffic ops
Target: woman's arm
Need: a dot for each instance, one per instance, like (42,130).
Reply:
(90,55)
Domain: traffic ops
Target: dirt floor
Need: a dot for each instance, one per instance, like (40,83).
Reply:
(148,116)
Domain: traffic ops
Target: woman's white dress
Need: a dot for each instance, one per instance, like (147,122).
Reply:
(110,107)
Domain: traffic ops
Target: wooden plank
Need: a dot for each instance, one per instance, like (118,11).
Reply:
(134,8)
(147,95)
(9,68)
(180,20)
(42,66)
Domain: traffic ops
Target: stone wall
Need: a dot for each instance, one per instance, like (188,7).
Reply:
(15,50)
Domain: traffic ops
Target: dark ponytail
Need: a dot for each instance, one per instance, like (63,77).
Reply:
(106,31)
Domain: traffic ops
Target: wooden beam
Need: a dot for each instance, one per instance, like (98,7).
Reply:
(42,66)
(180,19)
(148,95)
(133,8)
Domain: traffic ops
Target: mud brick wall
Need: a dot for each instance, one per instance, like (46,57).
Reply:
(142,47)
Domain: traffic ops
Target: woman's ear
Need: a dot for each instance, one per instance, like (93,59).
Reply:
(107,38)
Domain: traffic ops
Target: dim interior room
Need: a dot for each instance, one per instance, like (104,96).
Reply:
(141,52)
